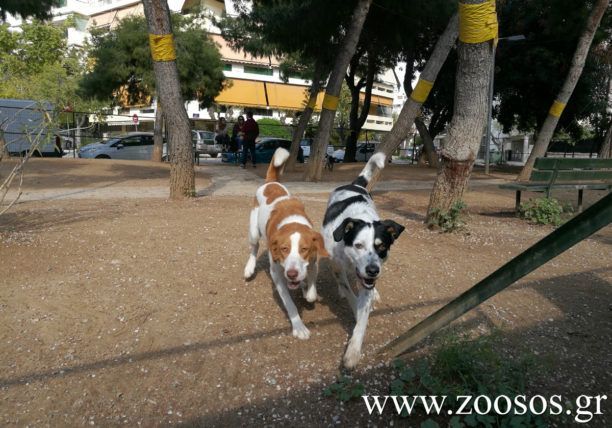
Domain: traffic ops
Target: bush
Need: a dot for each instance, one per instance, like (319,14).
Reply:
(448,221)
(544,211)
(273,128)
(459,367)
(344,389)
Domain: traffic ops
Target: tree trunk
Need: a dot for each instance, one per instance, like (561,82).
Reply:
(326,120)
(355,89)
(158,136)
(466,127)
(182,176)
(580,55)
(357,118)
(606,148)
(412,107)
(298,134)
(78,126)
(428,145)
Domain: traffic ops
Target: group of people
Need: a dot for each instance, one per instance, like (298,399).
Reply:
(242,138)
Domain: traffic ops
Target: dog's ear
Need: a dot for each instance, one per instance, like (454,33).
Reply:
(393,229)
(319,245)
(347,227)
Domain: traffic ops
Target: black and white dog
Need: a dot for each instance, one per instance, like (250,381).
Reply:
(358,244)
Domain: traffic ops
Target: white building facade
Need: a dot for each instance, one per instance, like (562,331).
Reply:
(255,83)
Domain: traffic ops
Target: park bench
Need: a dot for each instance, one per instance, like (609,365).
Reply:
(565,173)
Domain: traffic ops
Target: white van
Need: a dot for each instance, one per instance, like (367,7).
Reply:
(22,121)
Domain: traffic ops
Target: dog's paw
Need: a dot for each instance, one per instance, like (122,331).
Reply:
(375,296)
(249,269)
(351,357)
(301,332)
(311,295)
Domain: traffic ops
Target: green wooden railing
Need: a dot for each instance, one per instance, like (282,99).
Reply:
(580,227)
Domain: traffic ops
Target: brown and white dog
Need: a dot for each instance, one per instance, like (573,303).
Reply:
(294,248)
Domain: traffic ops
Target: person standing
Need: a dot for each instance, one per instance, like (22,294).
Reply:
(237,137)
(251,132)
(221,136)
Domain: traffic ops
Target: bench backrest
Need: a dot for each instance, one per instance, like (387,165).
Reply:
(569,169)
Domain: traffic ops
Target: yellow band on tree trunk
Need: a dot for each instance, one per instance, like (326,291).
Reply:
(477,22)
(557,108)
(330,102)
(312,103)
(421,90)
(162,47)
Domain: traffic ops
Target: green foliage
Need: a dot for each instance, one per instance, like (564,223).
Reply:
(273,128)
(529,74)
(36,64)
(449,221)
(459,367)
(37,8)
(122,59)
(344,389)
(544,211)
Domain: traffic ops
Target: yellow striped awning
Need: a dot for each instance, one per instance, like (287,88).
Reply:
(250,93)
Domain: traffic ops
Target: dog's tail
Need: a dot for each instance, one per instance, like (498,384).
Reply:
(376,161)
(277,164)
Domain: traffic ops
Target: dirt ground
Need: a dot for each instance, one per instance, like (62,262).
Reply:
(119,307)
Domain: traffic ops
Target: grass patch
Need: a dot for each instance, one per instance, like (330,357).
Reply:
(450,220)
(463,367)
(545,211)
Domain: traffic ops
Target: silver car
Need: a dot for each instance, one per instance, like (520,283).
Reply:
(205,144)
(132,146)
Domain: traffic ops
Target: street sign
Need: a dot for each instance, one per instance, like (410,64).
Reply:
(135,119)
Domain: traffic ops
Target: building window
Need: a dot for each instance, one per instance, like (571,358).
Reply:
(384,111)
(265,71)
(227,67)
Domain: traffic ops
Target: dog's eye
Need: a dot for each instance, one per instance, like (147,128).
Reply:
(285,249)
(382,247)
(303,249)
(359,246)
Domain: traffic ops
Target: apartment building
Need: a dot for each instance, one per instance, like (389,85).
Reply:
(255,83)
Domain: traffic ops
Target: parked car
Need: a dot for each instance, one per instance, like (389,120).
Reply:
(132,146)
(365,150)
(305,145)
(264,150)
(205,144)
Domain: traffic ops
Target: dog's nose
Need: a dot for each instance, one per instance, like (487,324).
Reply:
(372,270)
(292,273)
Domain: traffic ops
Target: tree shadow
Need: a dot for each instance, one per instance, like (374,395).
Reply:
(38,220)
(394,205)
(571,353)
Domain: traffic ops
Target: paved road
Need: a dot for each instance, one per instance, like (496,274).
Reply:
(234,181)
(226,181)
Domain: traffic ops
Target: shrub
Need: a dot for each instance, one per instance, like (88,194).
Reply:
(460,366)
(344,389)
(544,211)
(448,221)
(273,128)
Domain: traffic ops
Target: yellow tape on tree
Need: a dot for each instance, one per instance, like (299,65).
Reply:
(557,108)
(162,47)
(312,103)
(421,91)
(477,22)
(330,102)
